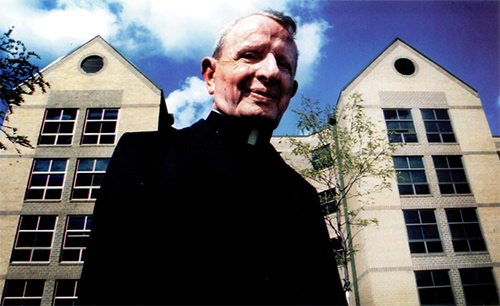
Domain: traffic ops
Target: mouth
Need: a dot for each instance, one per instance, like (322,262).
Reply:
(264,95)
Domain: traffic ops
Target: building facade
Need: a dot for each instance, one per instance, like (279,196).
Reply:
(48,193)
(438,238)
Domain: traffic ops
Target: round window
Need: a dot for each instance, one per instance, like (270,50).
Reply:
(404,66)
(92,64)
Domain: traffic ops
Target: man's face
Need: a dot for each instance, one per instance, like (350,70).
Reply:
(254,76)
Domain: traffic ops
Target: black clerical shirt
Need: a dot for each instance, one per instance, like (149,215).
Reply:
(199,216)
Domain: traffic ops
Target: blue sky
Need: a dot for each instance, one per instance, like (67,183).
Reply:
(337,40)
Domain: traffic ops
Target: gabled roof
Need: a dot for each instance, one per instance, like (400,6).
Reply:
(396,43)
(102,41)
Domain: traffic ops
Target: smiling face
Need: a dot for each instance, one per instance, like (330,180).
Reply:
(254,76)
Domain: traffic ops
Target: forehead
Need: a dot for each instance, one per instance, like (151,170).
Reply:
(257,29)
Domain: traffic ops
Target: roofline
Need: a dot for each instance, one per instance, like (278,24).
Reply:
(414,49)
(114,49)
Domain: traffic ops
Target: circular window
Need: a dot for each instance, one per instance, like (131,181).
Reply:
(404,66)
(92,64)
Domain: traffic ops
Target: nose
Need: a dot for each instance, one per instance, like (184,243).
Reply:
(268,68)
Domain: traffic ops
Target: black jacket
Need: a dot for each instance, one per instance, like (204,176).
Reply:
(198,216)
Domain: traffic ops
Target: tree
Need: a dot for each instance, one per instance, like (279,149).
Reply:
(346,153)
(18,77)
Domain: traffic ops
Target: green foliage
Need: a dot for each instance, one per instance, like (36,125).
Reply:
(347,154)
(18,77)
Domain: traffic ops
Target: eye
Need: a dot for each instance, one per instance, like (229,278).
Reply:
(250,55)
(285,65)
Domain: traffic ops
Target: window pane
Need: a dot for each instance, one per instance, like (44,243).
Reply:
(85,165)
(93,127)
(427,114)
(76,222)
(95,114)
(50,127)
(56,180)
(411,216)
(433,138)
(390,114)
(53,194)
(107,139)
(47,222)
(405,189)
(84,179)
(462,188)
(108,127)
(422,189)
(41,165)
(431,126)
(418,177)
(41,255)
(430,232)
(434,247)
(404,177)
(441,114)
(111,114)
(29,222)
(69,114)
(64,140)
(53,114)
(39,180)
(101,164)
(411,138)
(34,288)
(444,126)
(415,232)
(448,138)
(416,162)
(58,165)
(417,247)
(427,216)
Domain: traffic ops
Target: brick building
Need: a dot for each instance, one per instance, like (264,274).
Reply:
(438,238)
(48,193)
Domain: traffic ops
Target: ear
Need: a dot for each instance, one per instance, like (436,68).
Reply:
(208,67)
(295,87)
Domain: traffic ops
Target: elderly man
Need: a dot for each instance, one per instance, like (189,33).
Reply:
(211,214)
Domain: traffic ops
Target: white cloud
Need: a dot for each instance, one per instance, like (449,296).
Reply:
(189,103)
(179,30)
(60,29)
(311,38)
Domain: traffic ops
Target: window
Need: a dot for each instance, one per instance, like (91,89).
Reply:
(411,175)
(328,201)
(88,178)
(479,286)
(400,125)
(34,239)
(47,179)
(404,66)
(322,158)
(100,126)
(23,292)
(423,233)
(434,287)
(92,64)
(65,292)
(465,230)
(58,126)
(438,125)
(451,174)
(76,238)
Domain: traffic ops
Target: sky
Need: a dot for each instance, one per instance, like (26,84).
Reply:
(167,40)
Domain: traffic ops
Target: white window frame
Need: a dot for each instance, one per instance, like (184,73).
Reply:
(83,232)
(37,230)
(58,121)
(46,187)
(102,120)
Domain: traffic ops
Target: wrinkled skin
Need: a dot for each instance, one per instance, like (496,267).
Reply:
(254,76)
